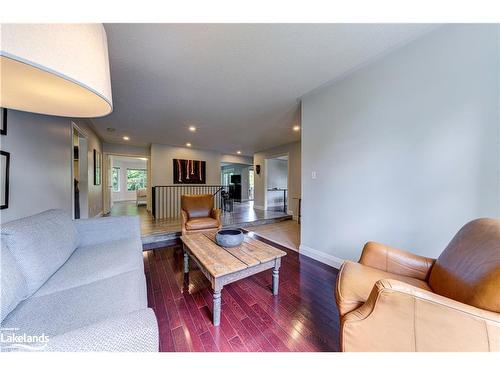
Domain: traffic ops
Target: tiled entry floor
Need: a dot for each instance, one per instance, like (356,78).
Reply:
(285,233)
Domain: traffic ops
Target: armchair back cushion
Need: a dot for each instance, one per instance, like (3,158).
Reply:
(468,270)
(40,244)
(197,205)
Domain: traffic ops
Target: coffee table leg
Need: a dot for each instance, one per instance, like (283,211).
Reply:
(186,262)
(276,276)
(217,308)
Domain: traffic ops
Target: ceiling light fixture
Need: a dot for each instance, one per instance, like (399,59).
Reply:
(238,152)
(296,128)
(55,69)
(126,138)
(192,128)
(188,144)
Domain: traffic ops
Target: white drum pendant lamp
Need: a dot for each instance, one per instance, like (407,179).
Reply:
(55,69)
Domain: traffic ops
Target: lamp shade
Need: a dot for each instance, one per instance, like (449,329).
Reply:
(55,69)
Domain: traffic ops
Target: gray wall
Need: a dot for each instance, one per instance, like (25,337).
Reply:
(293,150)
(95,191)
(40,164)
(406,150)
(162,164)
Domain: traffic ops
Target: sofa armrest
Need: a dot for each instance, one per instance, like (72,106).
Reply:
(106,229)
(401,317)
(133,332)
(400,262)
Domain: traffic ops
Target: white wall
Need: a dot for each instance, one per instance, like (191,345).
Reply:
(122,149)
(162,164)
(123,164)
(406,149)
(293,150)
(237,159)
(277,177)
(40,164)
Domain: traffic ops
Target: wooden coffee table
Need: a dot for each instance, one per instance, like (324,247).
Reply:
(223,266)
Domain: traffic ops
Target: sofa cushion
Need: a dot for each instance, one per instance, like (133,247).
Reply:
(66,310)
(13,288)
(40,244)
(96,262)
(356,281)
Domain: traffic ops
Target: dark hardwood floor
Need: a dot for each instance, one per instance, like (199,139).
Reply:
(303,317)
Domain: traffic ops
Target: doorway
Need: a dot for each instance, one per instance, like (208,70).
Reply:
(128,183)
(238,180)
(79,173)
(276,183)
(250,184)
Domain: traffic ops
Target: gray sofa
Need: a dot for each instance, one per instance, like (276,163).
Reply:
(74,285)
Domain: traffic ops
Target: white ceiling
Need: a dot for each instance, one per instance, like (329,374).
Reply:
(238,83)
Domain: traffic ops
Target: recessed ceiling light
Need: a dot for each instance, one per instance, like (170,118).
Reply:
(238,152)
(192,128)
(296,128)
(188,144)
(126,137)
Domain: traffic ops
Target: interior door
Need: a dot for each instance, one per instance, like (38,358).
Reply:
(108,181)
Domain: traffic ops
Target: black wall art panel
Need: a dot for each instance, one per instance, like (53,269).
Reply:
(189,171)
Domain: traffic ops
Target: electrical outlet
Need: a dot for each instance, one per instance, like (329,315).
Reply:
(313,175)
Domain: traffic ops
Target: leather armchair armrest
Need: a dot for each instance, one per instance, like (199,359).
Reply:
(215,213)
(400,262)
(185,218)
(400,317)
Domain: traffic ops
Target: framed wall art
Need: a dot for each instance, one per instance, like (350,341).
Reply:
(189,171)
(97,167)
(3,121)
(4,182)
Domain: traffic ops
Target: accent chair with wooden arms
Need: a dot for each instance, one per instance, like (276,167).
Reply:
(393,300)
(199,214)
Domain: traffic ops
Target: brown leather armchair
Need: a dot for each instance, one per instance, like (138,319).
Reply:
(199,214)
(392,300)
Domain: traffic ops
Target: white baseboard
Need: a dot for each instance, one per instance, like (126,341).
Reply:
(321,256)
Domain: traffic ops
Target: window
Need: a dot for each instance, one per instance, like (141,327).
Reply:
(115,179)
(136,179)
